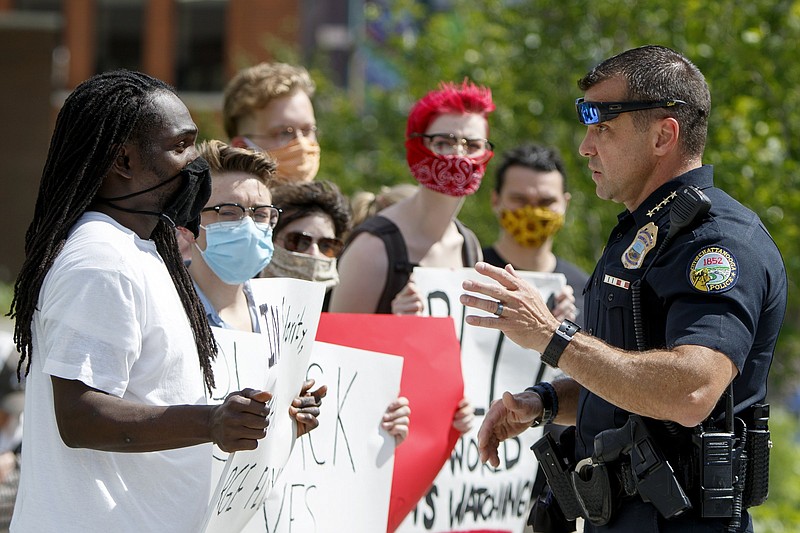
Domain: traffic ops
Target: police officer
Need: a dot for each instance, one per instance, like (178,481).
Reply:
(711,301)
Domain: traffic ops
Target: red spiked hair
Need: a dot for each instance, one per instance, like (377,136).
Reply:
(449,98)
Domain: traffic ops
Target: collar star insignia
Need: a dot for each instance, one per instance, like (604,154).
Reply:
(662,203)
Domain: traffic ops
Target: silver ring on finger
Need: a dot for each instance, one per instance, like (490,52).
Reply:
(499,310)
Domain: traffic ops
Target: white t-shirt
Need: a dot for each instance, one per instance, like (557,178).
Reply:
(109,315)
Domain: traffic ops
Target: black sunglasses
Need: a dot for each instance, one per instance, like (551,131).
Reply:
(296,241)
(596,112)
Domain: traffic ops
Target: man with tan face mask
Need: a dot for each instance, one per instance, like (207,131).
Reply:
(530,201)
(268,108)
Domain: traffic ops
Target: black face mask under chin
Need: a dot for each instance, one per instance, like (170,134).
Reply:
(185,207)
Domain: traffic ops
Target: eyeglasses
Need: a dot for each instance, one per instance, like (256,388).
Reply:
(296,241)
(285,134)
(449,144)
(262,214)
(596,112)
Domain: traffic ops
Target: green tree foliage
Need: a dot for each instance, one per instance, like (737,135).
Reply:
(531,54)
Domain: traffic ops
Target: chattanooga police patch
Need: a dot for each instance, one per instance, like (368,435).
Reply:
(713,269)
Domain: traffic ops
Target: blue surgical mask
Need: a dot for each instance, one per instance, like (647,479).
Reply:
(237,251)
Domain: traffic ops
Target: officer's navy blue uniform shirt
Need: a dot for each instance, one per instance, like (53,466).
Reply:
(721,285)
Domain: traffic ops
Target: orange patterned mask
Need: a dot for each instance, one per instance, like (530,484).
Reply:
(531,226)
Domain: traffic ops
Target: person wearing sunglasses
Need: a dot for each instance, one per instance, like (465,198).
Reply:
(308,236)
(668,378)
(267,108)
(308,239)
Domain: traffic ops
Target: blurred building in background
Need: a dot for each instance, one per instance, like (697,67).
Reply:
(50,46)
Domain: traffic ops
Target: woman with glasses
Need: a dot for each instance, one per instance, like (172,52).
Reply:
(447,149)
(308,238)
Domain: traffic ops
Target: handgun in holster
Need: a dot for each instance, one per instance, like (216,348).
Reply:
(580,490)
(643,465)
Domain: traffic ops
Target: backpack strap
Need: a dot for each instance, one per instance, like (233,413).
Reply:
(471,251)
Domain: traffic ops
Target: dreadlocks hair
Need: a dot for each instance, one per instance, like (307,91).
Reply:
(102,113)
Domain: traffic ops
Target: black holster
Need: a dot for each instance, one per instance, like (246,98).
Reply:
(555,463)
(626,462)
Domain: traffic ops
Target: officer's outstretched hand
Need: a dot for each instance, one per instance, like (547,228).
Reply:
(523,315)
(506,418)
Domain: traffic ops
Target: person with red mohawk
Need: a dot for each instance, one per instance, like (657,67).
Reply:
(447,148)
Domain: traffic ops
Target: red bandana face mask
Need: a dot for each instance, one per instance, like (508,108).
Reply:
(453,175)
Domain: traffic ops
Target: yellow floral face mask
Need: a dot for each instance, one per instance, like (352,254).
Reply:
(531,226)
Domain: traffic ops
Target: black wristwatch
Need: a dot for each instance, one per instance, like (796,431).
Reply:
(560,339)
(547,393)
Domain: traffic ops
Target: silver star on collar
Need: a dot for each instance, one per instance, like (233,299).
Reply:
(662,203)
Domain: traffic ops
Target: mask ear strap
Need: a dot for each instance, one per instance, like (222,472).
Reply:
(107,201)
(131,195)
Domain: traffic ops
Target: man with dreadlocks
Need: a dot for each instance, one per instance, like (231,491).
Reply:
(114,342)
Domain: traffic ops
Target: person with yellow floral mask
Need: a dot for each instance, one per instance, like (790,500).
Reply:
(530,201)
(268,108)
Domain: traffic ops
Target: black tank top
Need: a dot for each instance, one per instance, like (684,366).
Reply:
(400,268)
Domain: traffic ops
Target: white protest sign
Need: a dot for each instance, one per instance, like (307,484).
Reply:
(468,495)
(339,476)
(241,356)
(288,318)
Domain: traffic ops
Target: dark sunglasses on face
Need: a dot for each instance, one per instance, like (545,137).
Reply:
(296,241)
(596,112)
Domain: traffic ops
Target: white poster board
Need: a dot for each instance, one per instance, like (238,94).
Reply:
(288,318)
(339,476)
(468,495)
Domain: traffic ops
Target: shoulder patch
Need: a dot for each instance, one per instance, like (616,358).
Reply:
(713,269)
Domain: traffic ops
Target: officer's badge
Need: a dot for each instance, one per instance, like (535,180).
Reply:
(644,241)
(713,269)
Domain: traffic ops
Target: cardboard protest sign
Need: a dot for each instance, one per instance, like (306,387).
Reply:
(288,317)
(339,476)
(431,381)
(468,495)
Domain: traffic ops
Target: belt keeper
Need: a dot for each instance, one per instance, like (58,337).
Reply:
(547,393)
